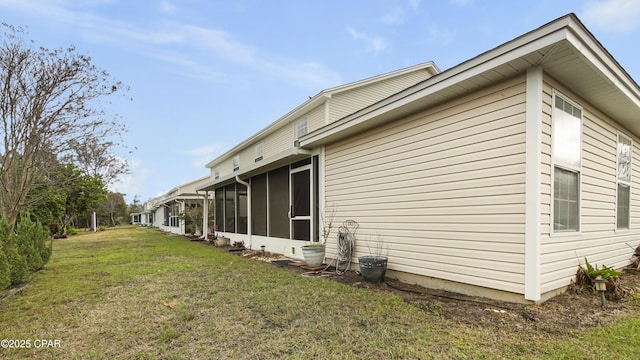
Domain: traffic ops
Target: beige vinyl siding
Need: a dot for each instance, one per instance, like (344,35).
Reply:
(598,239)
(248,156)
(345,103)
(444,188)
(316,118)
(279,141)
(340,104)
(226,167)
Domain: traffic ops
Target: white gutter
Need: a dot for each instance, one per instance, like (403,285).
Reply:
(181,222)
(205,215)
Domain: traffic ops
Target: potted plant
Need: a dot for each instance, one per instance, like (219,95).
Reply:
(314,253)
(374,266)
(222,241)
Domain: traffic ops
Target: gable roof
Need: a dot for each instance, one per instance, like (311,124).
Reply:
(180,192)
(317,100)
(565,50)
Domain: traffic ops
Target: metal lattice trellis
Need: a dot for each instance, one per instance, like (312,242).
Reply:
(346,240)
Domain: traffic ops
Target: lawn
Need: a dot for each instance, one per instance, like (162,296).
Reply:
(135,293)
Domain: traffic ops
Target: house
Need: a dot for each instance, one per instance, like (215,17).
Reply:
(270,161)
(137,218)
(170,211)
(497,177)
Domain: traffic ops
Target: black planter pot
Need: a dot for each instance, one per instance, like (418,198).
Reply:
(373,268)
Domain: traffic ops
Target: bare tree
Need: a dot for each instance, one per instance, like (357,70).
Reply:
(50,103)
(115,208)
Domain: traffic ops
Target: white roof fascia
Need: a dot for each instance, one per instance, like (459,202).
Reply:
(290,116)
(292,152)
(165,198)
(565,28)
(315,101)
(602,60)
(444,80)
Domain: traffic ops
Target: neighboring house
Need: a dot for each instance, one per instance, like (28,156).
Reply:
(496,177)
(166,211)
(147,214)
(137,218)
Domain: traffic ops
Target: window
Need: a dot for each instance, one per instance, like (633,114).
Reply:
(258,149)
(565,202)
(624,182)
(167,216)
(216,173)
(567,161)
(236,163)
(300,128)
(175,215)
(230,206)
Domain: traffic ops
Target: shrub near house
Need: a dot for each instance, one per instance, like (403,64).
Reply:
(22,252)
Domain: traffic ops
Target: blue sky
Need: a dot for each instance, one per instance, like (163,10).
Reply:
(206,74)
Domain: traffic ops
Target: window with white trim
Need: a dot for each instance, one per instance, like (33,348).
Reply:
(623,188)
(566,125)
(216,173)
(300,128)
(236,163)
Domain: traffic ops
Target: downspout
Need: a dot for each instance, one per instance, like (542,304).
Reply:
(181,222)
(205,215)
(248,209)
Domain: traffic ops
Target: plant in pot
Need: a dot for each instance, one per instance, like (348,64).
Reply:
(314,253)
(374,266)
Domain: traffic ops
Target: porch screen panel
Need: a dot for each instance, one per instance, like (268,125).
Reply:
(218,211)
(301,204)
(259,205)
(301,230)
(230,208)
(278,189)
(301,193)
(316,196)
(241,202)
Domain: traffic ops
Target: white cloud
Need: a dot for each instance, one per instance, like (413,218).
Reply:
(374,43)
(613,15)
(461,2)
(202,155)
(173,42)
(309,74)
(414,3)
(131,184)
(188,67)
(394,17)
(167,7)
(219,43)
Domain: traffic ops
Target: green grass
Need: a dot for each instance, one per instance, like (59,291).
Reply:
(135,293)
